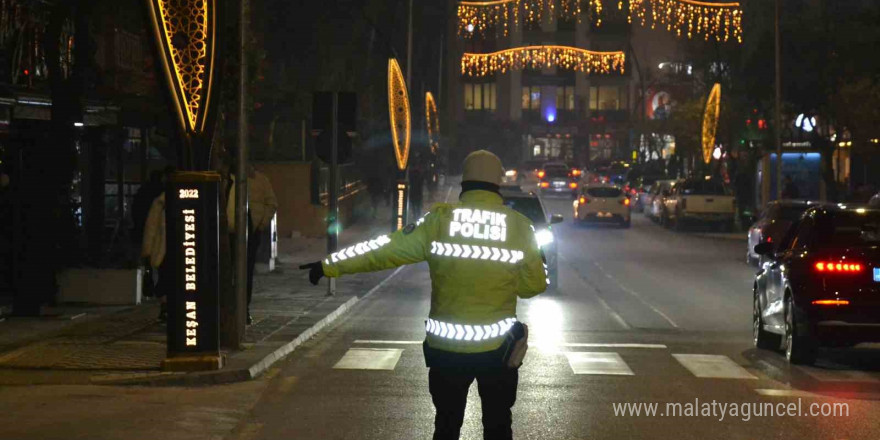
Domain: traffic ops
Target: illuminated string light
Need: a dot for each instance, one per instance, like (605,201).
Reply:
(185,29)
(721,21)
(398,112)
(710,122)
(432,122)
(540,57)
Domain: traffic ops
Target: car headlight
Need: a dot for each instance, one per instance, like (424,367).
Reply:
(510,173)
(544,237)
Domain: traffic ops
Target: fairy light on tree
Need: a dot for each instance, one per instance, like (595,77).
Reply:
(541,57)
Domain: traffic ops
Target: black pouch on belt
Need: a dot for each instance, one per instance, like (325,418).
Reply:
(515,345)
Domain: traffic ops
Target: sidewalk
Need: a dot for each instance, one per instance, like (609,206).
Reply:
(127,345)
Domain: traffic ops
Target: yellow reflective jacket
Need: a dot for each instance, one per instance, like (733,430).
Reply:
(482,256)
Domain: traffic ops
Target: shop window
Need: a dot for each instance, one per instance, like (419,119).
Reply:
(607,98)
(480,97)
(531,98)
(565,98)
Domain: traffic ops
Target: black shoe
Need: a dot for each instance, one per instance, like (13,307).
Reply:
(163,313)
(250,319)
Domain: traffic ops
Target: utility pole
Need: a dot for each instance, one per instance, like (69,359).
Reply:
(778,110)
(333,191)
(241,186)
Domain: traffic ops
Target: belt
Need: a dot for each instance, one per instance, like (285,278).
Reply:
(467,332)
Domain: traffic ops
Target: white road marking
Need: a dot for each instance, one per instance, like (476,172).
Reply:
(610,345)
(378,286)
(598,363)
(369,359)
(785,393)
(614,315)
(380,342)
(713,366)
(838,375)
(448,192)
(637,296)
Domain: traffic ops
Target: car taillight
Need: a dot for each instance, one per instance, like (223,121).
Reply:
(832,267)
(573,185)
(545,184)
(831,302)
(541,174)
(625,201)
(575,173)
(583,200)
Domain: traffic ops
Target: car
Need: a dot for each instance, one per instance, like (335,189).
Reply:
(655,206)
(525,174)
(530,205)
(820,286)
(641,191)
(557,178)
(772,225)
(700,200)
(603,203)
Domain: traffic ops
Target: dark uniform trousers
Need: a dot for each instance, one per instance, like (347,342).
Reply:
(449,389)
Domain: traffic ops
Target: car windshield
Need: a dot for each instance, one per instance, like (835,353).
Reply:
(791,213)
(604,192)
(848,229)
(527,206)
(556,171)
(703,187)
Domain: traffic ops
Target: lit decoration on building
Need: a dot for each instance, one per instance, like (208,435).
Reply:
(398,113)
(710,122)
(480,17)
(432,122)
(540,57)
(721,21)
(185,31)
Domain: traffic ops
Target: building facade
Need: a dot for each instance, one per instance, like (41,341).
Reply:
(551,113)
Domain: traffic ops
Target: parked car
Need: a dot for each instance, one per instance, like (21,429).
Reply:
(603,203)
(654,202)
(772,225)
(697,200)
(530,205)
(525,174)
(641,190)
(821,284)
(557,178)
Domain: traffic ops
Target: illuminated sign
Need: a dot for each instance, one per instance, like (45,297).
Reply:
(192,235)
(479,224)
(400,206)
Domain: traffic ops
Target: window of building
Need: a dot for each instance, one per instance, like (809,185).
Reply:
(480,97)
(565,98)
(531,98)
(607,98)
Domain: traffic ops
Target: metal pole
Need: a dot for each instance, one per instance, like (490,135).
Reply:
(333,192)
(440,73)
(241,186)
(778,109)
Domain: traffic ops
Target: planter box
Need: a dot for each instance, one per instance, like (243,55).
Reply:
(100,286)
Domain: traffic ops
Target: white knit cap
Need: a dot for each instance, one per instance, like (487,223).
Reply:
(482,166)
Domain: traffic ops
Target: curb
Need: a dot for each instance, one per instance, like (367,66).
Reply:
(252,367)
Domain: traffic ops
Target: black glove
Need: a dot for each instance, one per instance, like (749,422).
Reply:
(316,272)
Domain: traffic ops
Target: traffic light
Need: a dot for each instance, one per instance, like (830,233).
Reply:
(322,124)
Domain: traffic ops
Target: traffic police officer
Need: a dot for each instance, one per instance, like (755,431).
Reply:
(482,256)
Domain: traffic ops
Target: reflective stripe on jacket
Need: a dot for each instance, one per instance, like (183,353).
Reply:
(482,256)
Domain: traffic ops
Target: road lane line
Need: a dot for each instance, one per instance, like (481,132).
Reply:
(614,315)
(785,393)
(448,193)
(369,359)
(380,342)
(637,296)
(598,363)
(382,283)
(713,366)
(611,345)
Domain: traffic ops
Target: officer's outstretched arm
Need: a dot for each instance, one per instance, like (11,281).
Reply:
(406,246)
(533,273)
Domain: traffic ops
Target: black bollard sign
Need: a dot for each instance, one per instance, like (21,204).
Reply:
(192,251)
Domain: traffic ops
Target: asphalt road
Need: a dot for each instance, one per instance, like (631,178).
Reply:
(642,316)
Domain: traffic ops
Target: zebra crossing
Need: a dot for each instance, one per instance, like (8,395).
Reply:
(378,355)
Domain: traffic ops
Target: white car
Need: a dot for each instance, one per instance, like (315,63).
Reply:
(602,203)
